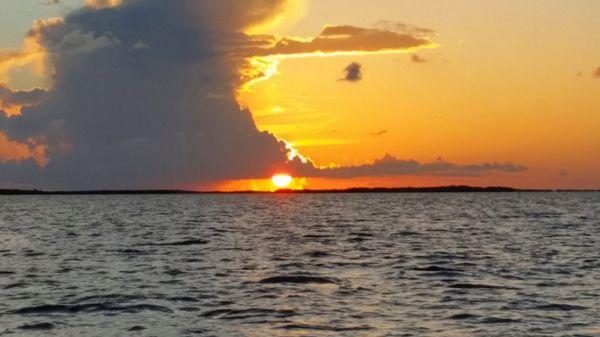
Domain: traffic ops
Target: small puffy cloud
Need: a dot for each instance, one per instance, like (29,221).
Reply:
(353,72)
(416,58)
(596,73)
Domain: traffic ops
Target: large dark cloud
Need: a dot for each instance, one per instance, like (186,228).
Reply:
(143,97)
(133,103)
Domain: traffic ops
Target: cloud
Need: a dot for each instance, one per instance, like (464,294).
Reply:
(404,28)
(596,73)
(353,72)
(379,133)
(32,54)
(392,166)
(10,59)
(417,59)
(102,3)
(143,96)
(339,40)
(15,152)
(12,102)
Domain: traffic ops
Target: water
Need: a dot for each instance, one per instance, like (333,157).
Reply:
(301,265)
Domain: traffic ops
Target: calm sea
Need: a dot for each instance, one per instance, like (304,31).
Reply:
(301,265)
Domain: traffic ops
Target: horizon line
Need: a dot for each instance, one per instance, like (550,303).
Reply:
(410,189)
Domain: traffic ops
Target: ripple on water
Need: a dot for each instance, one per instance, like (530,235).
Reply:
(37,326)
(88,308)
(186,242)
(559,307)
(308,327)
(239,314)
(298,279)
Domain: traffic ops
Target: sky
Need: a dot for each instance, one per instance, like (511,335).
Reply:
(199,94)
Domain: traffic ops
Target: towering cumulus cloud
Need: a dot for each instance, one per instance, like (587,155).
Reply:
(143,96)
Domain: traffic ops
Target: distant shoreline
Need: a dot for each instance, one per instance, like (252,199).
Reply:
(404,190)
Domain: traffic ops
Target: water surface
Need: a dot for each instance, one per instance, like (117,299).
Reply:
(301,265)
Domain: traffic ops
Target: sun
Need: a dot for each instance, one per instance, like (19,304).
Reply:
(282,180)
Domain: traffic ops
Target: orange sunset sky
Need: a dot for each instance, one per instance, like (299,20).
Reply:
(498,82)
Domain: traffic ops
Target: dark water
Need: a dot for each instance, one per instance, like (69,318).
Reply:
(301,265)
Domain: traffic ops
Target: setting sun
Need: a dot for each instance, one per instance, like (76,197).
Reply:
(282,180)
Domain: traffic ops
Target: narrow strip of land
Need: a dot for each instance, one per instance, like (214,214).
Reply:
(440,189)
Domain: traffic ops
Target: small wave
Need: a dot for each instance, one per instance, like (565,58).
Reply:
(174,272)
(189,309)
(498,320)
(317,236)
(298,279)
(324,327)
(190,242)
(437,269)
(231,314)
(15,285)
(32,253)
(183,299)
(478,286)
(136,328)
(407,233)
(362,234)
(133,252)
(88,308)
(109,298)
(317,254)
(37,326)
(560,307)
(462,316)
(6,272)
(357,239)
(196,331)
